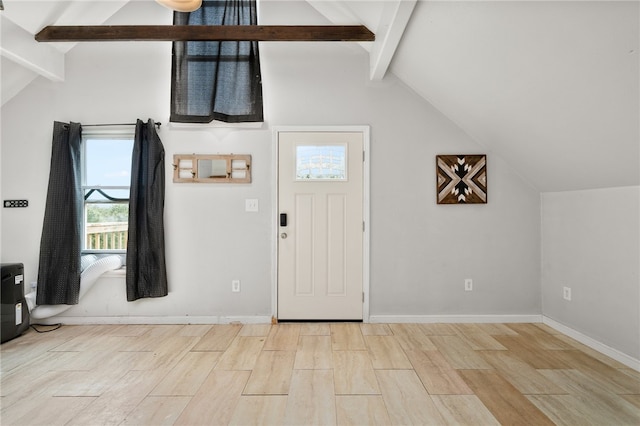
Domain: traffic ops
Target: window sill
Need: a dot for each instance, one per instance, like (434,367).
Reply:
(215,125)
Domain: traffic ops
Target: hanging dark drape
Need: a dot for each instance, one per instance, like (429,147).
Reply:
(217,80)
(59,266)
(146,270)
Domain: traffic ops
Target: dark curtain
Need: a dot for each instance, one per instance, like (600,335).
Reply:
(216,80)
(59,266)
(146,270)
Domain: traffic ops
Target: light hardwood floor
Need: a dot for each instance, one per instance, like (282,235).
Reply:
(312,374)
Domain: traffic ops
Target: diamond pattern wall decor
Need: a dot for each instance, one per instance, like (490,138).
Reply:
(461,179)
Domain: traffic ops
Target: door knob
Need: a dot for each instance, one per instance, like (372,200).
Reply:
(283,236)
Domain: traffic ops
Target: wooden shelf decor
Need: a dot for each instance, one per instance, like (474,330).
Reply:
(209,168)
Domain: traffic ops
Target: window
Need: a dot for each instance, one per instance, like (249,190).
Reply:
(322,162)
(217,80)
(106,176)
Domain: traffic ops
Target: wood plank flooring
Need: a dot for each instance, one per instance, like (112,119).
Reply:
(312,374)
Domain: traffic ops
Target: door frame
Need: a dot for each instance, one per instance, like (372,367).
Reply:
(365,131)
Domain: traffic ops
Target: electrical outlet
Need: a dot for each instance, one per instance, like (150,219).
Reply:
(566,293)
(468,284)
(235,286)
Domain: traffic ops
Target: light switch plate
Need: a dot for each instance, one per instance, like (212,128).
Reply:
(251,205)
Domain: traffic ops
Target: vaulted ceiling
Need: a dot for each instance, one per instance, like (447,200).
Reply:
(552,87)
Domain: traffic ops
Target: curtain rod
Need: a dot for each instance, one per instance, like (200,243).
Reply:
(157,123)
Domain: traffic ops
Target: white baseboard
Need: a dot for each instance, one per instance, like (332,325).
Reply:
(68,320)
(429,319)
(594,344)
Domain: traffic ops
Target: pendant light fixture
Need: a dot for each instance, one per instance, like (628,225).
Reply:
(181,5)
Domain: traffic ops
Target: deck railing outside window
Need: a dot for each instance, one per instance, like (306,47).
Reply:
(106,236)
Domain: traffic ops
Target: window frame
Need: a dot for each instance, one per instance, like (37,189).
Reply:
(127,134)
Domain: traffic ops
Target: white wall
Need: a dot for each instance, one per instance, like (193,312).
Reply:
(421,252)
(591,243)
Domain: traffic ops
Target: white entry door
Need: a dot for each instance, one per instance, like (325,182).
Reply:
(320,251)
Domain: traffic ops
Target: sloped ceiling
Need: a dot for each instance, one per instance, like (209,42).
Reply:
(551,87)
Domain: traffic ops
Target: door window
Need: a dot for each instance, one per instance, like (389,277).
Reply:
(321,162)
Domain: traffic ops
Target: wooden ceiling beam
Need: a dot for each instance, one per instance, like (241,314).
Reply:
(205,33)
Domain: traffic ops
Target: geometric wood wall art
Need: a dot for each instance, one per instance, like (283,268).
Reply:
(462,179)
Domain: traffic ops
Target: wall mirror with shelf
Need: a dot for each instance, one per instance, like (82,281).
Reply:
(206,168)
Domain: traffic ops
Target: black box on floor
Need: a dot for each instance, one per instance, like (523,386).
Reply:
(15,313)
